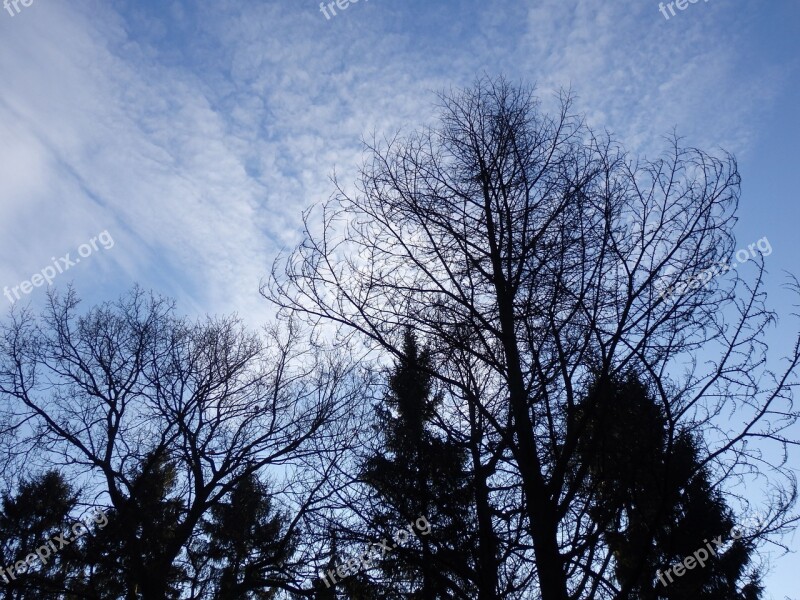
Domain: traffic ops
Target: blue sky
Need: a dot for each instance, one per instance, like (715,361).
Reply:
(195,133)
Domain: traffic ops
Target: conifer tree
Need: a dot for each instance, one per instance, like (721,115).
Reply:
(247,543)
(35,514)
(653,502)
(419,474)
(129,557)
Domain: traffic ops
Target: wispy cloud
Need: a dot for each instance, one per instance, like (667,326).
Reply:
(200,132)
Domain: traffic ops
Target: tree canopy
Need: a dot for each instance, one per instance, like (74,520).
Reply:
(478,385)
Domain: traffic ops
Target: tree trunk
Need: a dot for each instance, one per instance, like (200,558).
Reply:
(541,512)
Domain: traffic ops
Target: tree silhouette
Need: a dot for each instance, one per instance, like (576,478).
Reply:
(417,474)
(132,557)
(652,499)
(547,412)
(502,236)
(163,418)
(247,543)
(38,511)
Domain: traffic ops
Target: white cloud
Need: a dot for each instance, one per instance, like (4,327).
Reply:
(200,153)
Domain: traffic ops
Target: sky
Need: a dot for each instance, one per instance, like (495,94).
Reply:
(186,138)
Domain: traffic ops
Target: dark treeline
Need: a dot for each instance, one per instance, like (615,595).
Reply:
(475,388)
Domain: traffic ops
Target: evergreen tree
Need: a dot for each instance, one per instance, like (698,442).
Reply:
(355,587)
(131,557)
(418,474)
(38,511)
(652,501)
(247,543)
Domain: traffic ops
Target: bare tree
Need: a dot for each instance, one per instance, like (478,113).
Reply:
(532,253)
(129,389)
